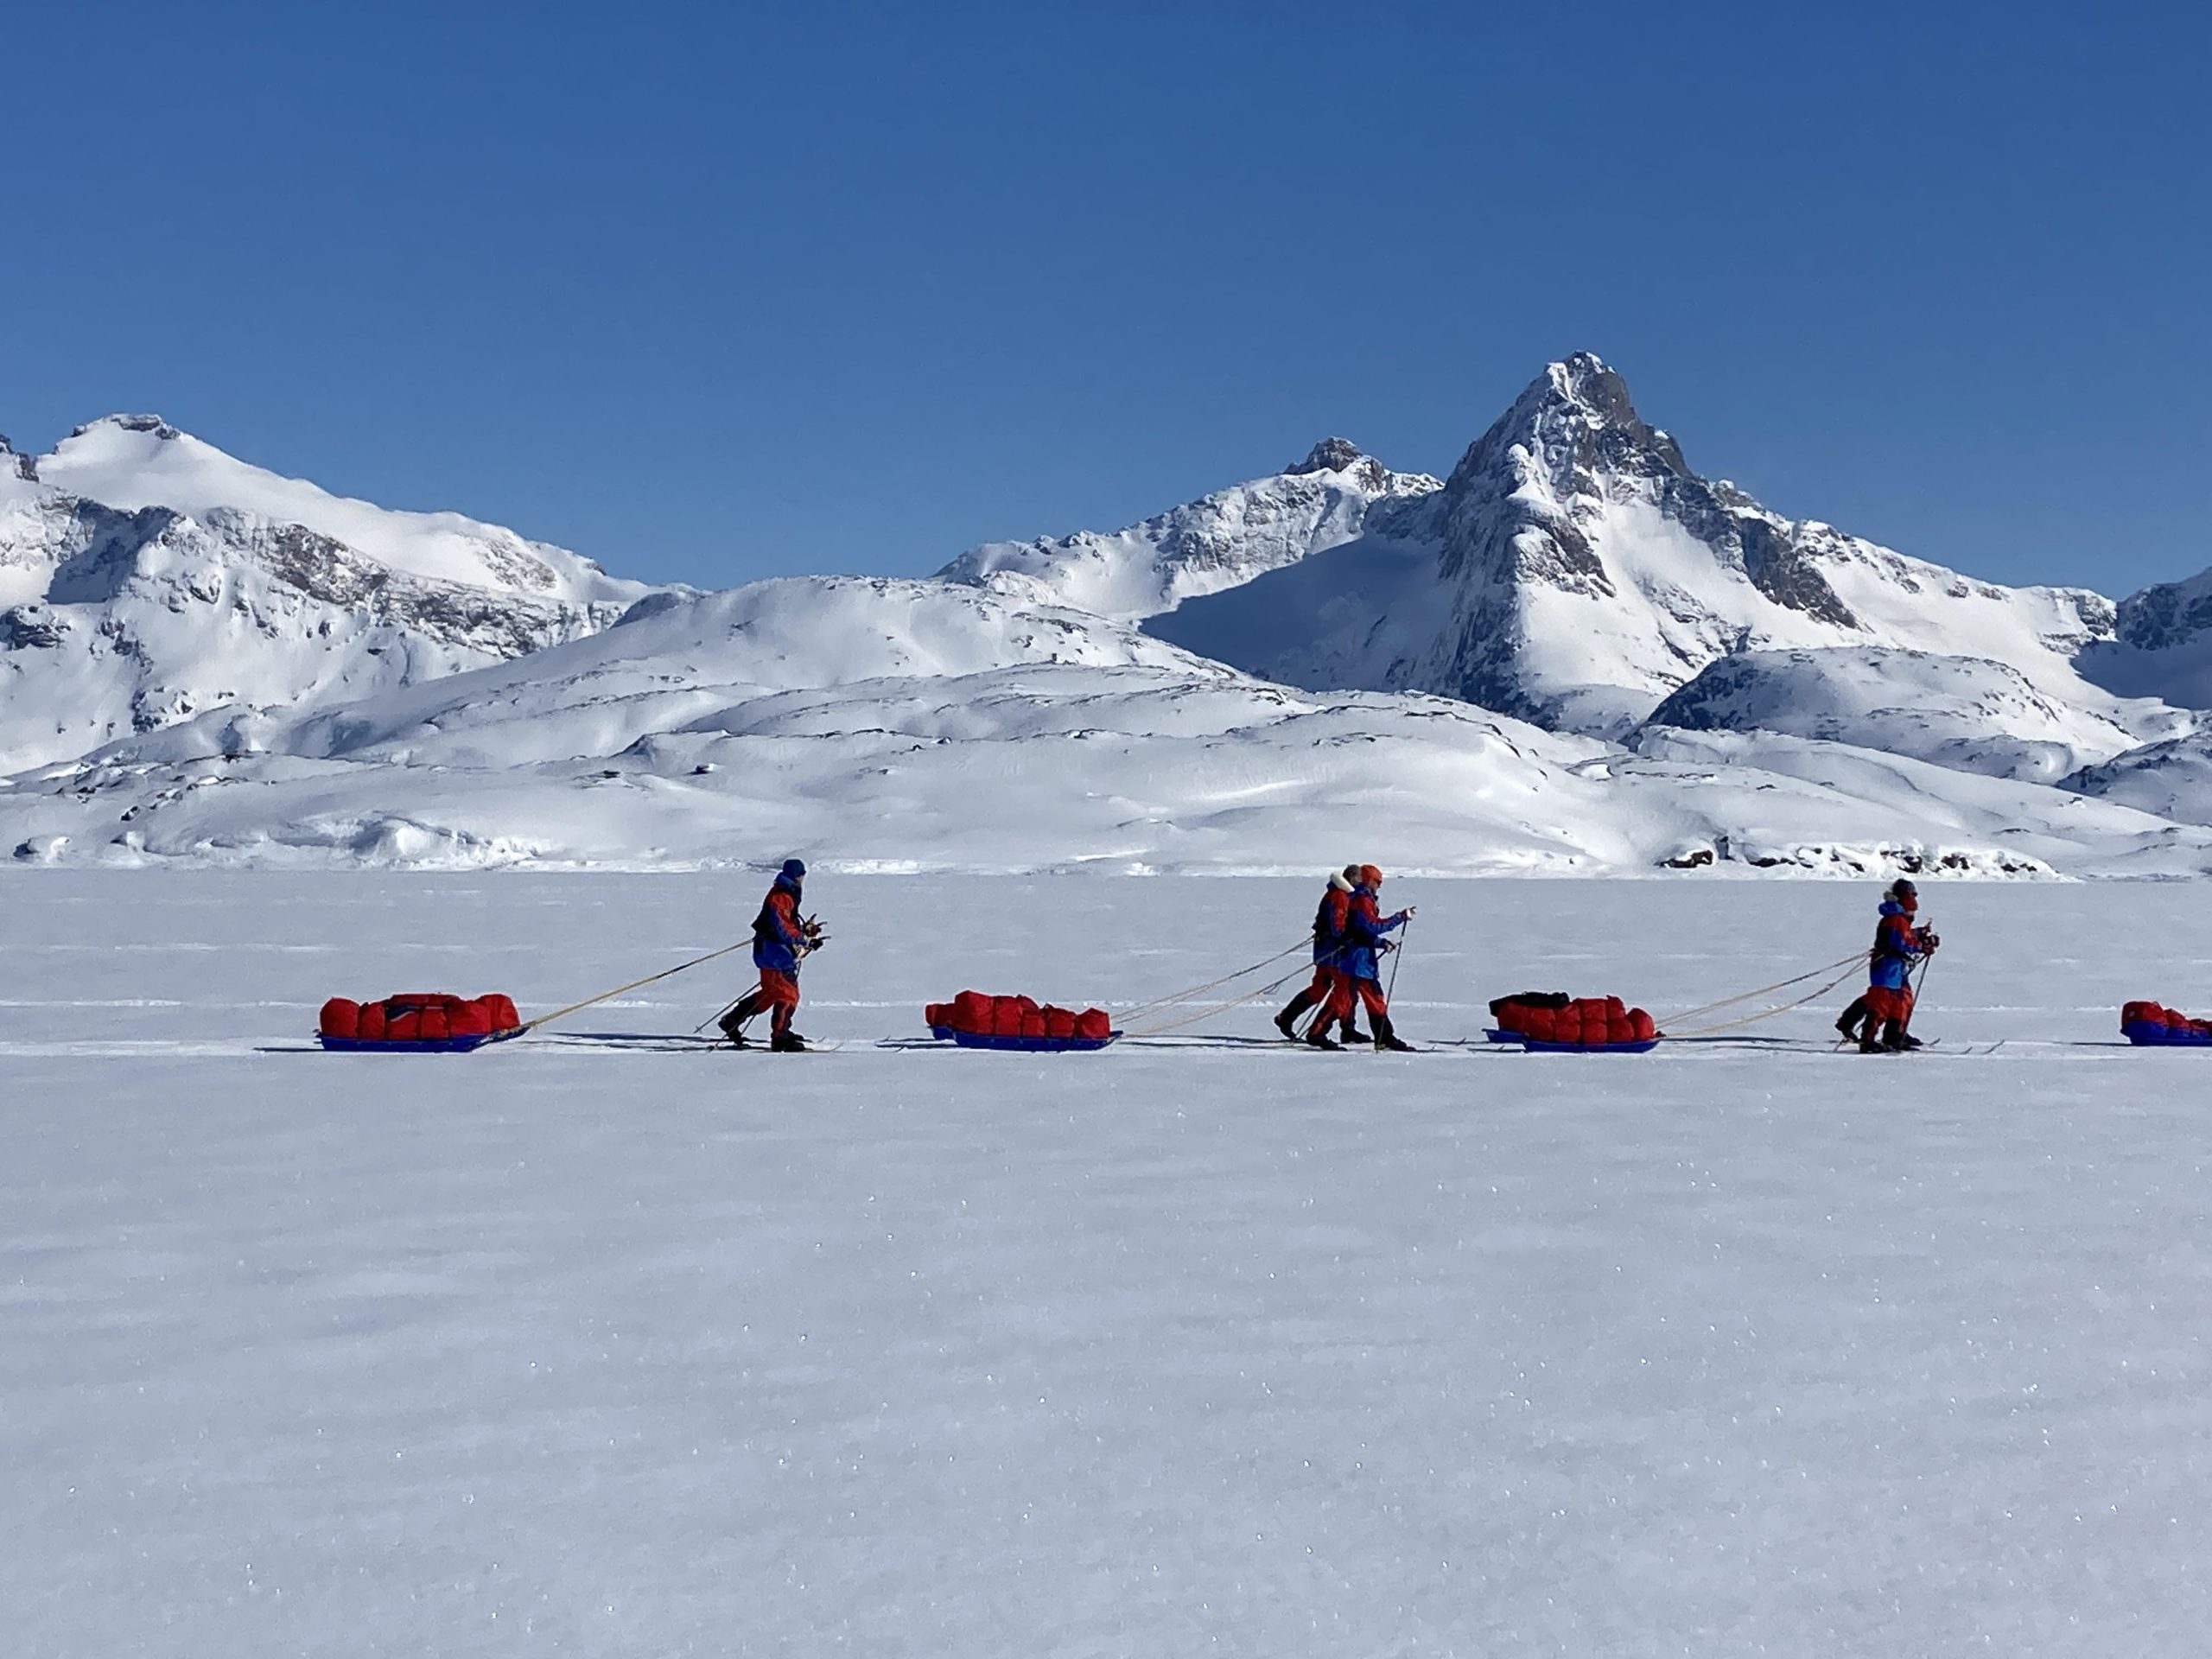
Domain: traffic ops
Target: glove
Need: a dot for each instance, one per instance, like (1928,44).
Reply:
(1403,916)
(1384,947)
(1927,938)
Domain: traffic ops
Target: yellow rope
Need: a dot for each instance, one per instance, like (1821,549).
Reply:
(574,1007)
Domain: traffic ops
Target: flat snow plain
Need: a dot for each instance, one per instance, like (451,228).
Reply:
(569,1349)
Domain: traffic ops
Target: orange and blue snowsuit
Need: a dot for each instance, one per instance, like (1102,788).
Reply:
(778,942)
(1896,952)
(1365,927)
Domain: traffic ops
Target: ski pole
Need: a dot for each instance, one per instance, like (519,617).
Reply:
(1390,991)
(711,1017)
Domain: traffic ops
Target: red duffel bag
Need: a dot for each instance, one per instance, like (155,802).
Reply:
(1093,1026)
(972,1012)
(1059,1023)
(342,1017)
(371,1027)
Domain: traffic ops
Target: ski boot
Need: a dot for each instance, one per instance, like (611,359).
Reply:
(1893,1040)
(1318,1038)
(732,1022)
(1386,1038)
(787,1042)
(1286,1023)
(1350,1035)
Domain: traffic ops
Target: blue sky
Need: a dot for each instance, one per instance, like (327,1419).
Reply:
(714,292)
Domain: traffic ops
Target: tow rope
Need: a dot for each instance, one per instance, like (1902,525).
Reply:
(1159,1027)
(1847,963)
(1812,996)
(665,973)
(1185,995)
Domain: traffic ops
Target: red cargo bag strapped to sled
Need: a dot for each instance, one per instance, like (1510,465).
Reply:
(1553,1022)
(417,1022)
(2153,1024)
(1020,1024)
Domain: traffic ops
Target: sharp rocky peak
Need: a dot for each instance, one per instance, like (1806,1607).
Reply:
(153,423)
(1524,508)
(1573,420)
(1340,455)
(1330,455)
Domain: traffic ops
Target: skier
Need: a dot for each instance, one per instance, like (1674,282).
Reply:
(782,938)
(1365,927)
(1899,947)
(1329,950)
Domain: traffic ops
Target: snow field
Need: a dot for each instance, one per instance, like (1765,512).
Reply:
(576,1349)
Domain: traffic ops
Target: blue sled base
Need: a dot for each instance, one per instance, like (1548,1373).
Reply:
(439,1046)
(2148,1034)
(1025,1044)
(1535,1047)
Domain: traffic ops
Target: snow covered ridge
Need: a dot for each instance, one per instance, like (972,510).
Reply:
(147,578)
(1219,541)
(1967,712)
(981,734)
(133,462)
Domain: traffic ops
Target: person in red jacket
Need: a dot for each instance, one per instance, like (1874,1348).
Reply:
(1364,928)
(782,938)
(1900,945)
(1328,965)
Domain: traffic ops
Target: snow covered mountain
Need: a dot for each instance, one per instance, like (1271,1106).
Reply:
(2162,645)
(1967,712)
(135,461)
(2172,779)
(1218,541)
(1573,570)
(876,724)
(147,577)
(201,661)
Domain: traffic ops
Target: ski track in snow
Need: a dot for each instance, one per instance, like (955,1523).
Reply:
(1733,1349)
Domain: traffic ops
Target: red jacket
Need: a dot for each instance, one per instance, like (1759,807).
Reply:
(778,942)
(1329,922)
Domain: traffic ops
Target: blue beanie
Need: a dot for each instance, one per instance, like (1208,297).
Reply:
(795,869)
